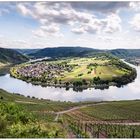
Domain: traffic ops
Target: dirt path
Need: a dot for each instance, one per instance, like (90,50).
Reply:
(113,122)
(73,109)
(25,102)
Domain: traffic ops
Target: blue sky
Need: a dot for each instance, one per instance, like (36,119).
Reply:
(102,25)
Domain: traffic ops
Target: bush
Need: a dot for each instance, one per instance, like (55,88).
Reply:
(77,83)
(80,74)
(1,98)
(88,72)
(67,84)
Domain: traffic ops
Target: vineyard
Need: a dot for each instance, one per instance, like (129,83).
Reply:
(120,122)
(96,129)
(54,119)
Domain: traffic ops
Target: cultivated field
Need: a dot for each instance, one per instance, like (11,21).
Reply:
(68,120)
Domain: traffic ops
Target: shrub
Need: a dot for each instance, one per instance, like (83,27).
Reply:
(77,83)
(80,74)
(1,98)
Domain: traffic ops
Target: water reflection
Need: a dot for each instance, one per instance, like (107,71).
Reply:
(127,92)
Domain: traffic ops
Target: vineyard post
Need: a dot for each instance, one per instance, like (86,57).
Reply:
(85,128)
(98,132)
(93,133)
(106,130)
(133,133)
(79,129)
(81,126)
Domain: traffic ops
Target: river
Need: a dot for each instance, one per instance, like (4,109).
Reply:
(130,91)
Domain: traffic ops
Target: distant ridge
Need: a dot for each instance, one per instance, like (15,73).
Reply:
(63,52)
(78,51)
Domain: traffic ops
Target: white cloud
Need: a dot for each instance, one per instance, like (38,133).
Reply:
(135,6)
(53,28)
(44,31)
(79,30)
(135,23)
(113,23)
(24,9)
(53,15)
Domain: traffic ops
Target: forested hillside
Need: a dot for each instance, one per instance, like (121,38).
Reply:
(63,52)
(11,56)
(81,52)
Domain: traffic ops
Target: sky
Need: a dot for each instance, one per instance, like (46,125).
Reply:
(100,25)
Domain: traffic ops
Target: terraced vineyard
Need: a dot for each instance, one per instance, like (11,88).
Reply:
(83,124)
(68,120)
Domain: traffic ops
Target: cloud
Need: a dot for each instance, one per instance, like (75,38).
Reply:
(134,6)
(135,22)
(45,31)
(23,8)
(53,15)
(53,28)
(103,7)
(113,23)
(79,30)
(110,25)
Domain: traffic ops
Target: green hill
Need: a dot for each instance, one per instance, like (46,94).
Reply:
(81,52)
(125,53)
(11,56)
(63,52)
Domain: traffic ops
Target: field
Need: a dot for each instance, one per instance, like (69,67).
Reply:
(76,72)
(70,120)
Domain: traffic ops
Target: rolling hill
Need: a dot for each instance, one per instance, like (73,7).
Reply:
(81,52)
(11,56)
(63,52)
(27,51)
(125,53)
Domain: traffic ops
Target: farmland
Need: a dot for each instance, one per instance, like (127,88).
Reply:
(76,72)
(66,119)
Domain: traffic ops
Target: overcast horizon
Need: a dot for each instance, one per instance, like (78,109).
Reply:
(98,25)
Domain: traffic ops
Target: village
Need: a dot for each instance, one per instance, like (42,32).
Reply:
(47,70)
